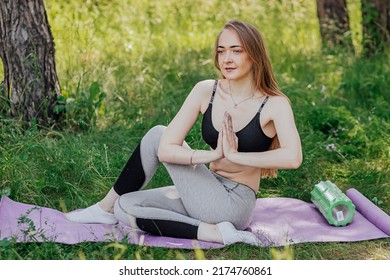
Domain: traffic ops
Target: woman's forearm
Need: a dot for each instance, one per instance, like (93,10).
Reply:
(185,155)
(281,158)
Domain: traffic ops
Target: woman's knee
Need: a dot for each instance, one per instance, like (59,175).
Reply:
(157,131)
(153,136)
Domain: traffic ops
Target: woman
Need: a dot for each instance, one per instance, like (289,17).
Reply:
(250,128)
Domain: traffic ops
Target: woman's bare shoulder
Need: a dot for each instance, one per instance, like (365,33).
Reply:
(279,101)
(202,91)
(276,105)
(205,85)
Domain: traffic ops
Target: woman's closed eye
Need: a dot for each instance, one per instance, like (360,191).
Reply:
(234,51)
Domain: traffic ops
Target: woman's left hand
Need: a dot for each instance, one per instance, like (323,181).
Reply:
(230,140)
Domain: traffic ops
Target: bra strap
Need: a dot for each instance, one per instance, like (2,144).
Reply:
(262,104)
(214,90)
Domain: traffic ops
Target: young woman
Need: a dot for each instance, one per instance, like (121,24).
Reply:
(248,123)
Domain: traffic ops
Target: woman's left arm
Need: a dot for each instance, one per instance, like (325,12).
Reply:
(288,156)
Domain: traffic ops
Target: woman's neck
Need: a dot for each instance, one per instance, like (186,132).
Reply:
(240,88)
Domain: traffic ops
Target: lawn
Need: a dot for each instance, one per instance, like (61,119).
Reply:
(142,58)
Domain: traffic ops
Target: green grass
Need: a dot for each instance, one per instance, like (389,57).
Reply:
(146,56)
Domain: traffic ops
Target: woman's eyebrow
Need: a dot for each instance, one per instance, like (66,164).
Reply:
(233,46)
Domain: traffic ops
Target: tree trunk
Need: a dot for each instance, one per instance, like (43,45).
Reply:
(334,23)
(376,25)
(27,52)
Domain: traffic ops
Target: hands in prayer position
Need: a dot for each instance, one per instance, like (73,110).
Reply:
(227,139)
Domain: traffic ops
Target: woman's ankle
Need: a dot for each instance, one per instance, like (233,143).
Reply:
(231,235)
(209,233)
(106,207)
(108,202)
(92,215)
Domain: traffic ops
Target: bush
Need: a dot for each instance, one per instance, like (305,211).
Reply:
(82,108)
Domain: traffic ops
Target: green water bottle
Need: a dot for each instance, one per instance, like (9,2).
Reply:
(334,205)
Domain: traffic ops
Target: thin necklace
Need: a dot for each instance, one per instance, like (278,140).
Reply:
(234,102)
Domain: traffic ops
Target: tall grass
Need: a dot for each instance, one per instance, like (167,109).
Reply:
(146,56)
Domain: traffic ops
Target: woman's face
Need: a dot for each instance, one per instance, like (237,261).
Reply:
(233,60)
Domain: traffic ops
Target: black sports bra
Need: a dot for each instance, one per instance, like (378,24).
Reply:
(250,139)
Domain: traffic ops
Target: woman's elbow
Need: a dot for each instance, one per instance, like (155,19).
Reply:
(296,161)
(292,159)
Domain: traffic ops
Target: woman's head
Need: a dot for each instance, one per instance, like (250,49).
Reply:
(253,44)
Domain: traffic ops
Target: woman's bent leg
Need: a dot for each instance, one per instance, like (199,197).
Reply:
(203,204)
(157,211)
(161,212)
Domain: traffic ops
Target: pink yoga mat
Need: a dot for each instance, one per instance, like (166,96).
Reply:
(276,221)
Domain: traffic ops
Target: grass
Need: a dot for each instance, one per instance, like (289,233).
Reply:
(146,56)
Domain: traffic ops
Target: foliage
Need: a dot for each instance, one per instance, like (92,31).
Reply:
(82,110)
(127,65)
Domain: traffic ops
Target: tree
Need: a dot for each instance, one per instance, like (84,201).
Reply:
(334,23)
(376,25)
(28,55)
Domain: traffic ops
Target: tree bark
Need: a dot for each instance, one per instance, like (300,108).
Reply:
(27,52)
(334,23)
(376,25)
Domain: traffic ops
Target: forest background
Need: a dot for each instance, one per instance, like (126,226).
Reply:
(125,66)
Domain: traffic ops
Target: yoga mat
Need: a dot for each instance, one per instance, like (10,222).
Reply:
(370,211)
(277,222)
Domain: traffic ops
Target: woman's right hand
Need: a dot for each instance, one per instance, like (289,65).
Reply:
(219,148)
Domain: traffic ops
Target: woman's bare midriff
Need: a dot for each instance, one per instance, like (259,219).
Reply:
(249,176)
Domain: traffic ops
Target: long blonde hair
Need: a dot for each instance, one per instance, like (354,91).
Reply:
(263,76)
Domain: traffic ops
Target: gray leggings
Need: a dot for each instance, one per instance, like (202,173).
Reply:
(198,195)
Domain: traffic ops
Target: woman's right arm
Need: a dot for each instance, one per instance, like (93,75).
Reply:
(172,148)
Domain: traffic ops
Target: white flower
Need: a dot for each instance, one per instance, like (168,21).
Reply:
(331,147)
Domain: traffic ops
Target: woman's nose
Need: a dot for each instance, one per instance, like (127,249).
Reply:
(227,57)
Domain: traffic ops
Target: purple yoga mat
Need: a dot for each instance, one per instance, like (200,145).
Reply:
(276,221)
(369,210)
